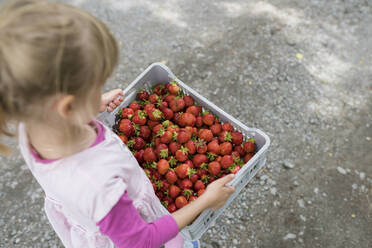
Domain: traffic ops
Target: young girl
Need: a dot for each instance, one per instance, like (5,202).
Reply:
(54,61)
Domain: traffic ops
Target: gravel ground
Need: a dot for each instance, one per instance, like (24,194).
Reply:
(299,70)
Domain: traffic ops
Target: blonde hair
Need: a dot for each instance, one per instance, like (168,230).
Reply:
(46,49)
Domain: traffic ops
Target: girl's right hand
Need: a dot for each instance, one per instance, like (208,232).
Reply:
(217,192)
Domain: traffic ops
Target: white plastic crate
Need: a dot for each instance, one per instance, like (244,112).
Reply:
(159,73)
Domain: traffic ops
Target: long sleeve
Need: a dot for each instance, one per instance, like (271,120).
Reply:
(125,227)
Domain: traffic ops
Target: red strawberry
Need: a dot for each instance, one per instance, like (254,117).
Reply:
(174,147)
(192,198)
(127,113)
(142,95)
(201,146)
(190,145)
(205,134)
(193,110)
(123,138)
(182,154)
(172,161)
(224,136)
(158,129)
(140,118)
(236,138)
(162,166)
(199,159)
(172,208)
(135,106)
(149,155)
(189,163)
(186,184)
(182,170)
(173,88)
(249,146)
(200,192)
(139,143)
(216,129)
(183,136)
(166,137)
(152,123)
(153,98)
(227,127)
(240,150)
(248,157)
(164,185)
(167,113)
(154,114)
(199,121)
(177,105)
(174,191)
(208,119)
(188,101)
(171,177)
(199,185)
(187,119)
(234,169)
(194,177)
(161,151)
(126,127)
(159,89)
(169,98)
(227,161)
(202,172)
(181,201)
(145,132)
(148,107)
(214,168)
(139,156)
(214,147)
(225,148)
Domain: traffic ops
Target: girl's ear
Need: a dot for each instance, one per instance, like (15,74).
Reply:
(64,105)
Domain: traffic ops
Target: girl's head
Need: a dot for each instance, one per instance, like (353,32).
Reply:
(54,60)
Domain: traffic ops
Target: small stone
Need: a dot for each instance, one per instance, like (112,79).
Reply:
(276,203)
(353,216)
(303,218)
(288,165)
(362,175)
(289,236)
(299,56)
(295,183)
(368,138)
(316,190)
(341,170)
(273,191)
(235,242)
(354,186)
(301,203)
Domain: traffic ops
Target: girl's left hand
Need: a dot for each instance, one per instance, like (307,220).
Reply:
(111,100)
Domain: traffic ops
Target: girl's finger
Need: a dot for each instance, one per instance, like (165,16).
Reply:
(117,102)
(109,109)
(112,105)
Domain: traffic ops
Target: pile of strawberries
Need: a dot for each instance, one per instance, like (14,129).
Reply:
(181,148)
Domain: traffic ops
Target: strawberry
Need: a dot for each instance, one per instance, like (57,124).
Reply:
(176,117)
(161,104)
(199,121)
(173,88)
(187,119)
(159,89)
(162,166)
(224,136)
(127,113)
(152,123)
(172,161)
(225,148)
(164,186)
(126,127)
(159,194)
(208,119)
(174,191)
(177,105)
(201,146)
(188,101)
(201,172)
(161,151)
(123,138)
(199,185)
(227,161)
(169,98)
(183,136)
(143,95)
(158,129)
(190,145)
(186,184)
(248,157)
(240,150)
(145,132)
(139,143)
(181,201)
(182,154)
(192,198)
(166,137)
(135,106)
(171,177)
(174,147)
(167,113)
(148,107)
(172,208)
(236,138)
(214,147)
(149,155)
(193,110)
(227,127)
(140,118)
(214,168)
(216,129)
(139,156)
(189,163)
(187,193)
(173,128)
(194,177)
(205,134)
(249,146)
(200,192)
(234,168)
(154,114)
(182,170)
(199,159)
(153,98)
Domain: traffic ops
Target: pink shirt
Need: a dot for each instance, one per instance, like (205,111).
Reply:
(95,194)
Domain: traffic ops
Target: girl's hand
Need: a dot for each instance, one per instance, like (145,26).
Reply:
(111,100)
(217,192)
